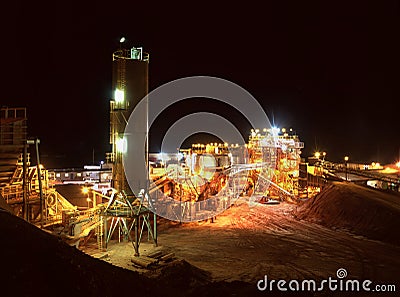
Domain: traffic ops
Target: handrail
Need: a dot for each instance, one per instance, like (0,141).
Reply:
(125,54)
(367,173)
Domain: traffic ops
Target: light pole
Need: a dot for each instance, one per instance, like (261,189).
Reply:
(346,159)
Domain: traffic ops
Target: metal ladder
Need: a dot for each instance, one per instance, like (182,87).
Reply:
(100,233)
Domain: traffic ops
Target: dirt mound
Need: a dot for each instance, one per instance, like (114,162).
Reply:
(35,263)
(367,212)
(181,275)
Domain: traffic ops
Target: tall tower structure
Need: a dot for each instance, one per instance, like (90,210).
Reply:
(129,85)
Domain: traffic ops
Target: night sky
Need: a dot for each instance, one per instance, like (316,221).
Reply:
(331,72)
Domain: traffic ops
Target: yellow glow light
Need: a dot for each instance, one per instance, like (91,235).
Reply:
(85,190)
(389,170)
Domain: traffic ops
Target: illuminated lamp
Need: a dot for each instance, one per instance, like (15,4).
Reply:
(275,130)
(119,96)
(121,145)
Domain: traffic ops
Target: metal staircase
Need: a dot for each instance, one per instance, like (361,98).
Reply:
(99,233)
(8,164)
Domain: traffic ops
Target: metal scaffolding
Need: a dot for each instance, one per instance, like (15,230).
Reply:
(122,216)
(267,166)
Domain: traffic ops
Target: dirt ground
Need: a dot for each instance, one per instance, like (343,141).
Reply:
(247,242)
(339,228)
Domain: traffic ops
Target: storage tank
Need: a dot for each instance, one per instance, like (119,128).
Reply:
(129,86)
(130,78)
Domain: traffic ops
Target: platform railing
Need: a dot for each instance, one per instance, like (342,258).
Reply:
(126,54)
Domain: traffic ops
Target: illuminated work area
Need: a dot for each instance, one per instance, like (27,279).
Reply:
(210,215)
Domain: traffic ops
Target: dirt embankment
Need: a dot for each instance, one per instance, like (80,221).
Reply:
(35,263)
(363,211)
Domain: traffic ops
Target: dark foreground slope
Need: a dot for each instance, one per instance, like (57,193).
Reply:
(363,211)
(35,263)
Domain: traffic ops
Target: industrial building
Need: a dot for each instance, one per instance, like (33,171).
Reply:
(212,175)
(268,165)
(111,206)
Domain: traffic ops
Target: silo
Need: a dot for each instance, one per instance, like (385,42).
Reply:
(129,86)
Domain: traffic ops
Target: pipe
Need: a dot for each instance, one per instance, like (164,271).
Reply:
(24,182)
(39,175)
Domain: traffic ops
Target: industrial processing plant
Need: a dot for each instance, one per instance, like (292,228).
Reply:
(196,163)
(267,167)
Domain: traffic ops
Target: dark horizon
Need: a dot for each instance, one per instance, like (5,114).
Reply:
(330,72)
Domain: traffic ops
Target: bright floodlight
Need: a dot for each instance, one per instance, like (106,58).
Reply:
(275,130)
(346,158)
(122,39)
(121,145)
(119,96)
